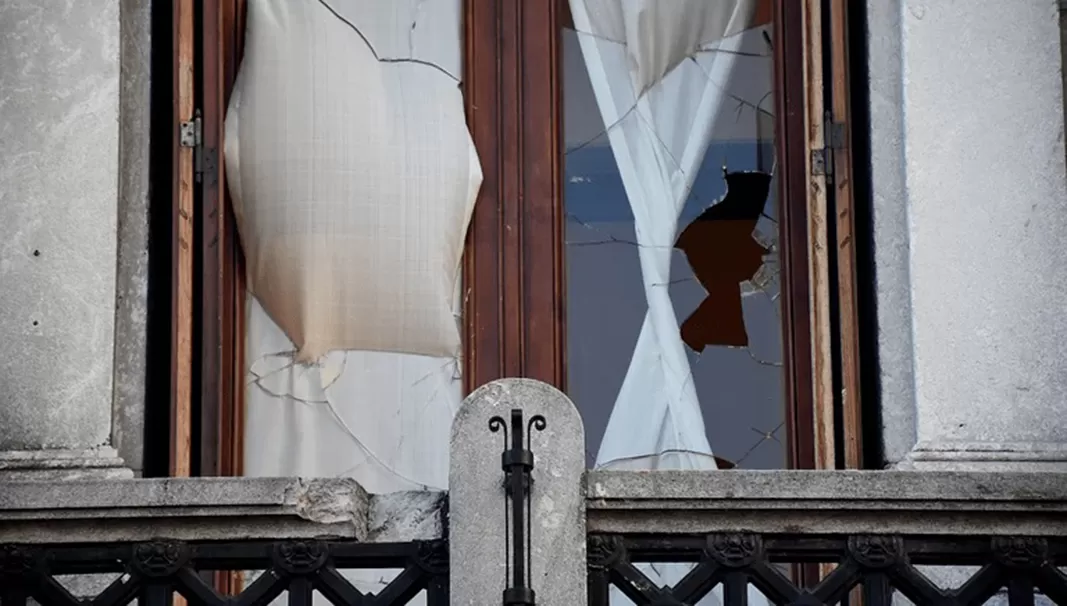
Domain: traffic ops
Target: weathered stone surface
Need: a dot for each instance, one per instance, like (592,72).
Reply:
(73,220)
(407,516)
(213,509)
(58,215)
(827,502)
(968,181)
(478,528)
(101,463)
(185,509)
(991,455)
(131,296)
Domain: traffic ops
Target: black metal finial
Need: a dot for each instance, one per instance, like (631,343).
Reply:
(517,461)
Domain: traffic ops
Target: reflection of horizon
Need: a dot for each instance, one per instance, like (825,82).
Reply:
(593,190)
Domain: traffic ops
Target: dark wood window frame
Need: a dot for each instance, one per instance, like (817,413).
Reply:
(514,265)
(513,271)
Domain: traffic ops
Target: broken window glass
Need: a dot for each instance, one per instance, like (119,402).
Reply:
(673,311)
(353,177)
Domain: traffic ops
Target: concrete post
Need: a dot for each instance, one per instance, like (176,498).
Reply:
(478,528)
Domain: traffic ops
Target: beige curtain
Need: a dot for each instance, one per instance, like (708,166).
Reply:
(353,176)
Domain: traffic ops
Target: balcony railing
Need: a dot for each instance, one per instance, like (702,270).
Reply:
(111,542)
(525,524)
(154,571)
(830,537)
(797,537)
(878,564)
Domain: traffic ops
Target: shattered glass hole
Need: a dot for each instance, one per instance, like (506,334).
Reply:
(723,254)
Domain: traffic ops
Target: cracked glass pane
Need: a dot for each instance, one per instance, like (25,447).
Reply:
(672,231)
(318,403)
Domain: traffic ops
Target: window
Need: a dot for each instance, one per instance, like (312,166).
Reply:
(672,236)
(553,242)
(519,261)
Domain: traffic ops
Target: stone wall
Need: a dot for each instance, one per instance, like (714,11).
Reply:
(73,227)
(969,181)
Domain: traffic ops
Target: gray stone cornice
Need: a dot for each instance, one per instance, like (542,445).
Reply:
(832,502)
(672,502)
(212,509)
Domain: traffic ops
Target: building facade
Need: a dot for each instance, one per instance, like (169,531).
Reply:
(874,413)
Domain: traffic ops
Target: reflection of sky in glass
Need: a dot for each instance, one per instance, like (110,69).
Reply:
(740,389)
(594,193)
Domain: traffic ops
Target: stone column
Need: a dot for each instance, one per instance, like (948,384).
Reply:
(970,216)
(59,206)
(478,529)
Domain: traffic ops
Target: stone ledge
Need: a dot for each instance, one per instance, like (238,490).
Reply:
(102,463)
(208,509)
(828,502)
(986,456)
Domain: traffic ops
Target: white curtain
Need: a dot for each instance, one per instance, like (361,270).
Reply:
(659,131)
(354,175)
(659,71)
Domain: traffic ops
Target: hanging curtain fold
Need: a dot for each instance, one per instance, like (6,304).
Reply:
(659,130)
(352,172)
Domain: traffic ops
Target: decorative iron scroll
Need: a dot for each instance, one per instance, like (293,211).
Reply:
(517,462)
(156,571)
(1018,568)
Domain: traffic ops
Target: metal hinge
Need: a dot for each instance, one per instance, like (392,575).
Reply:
(834,133)
(822,160)
(191,134)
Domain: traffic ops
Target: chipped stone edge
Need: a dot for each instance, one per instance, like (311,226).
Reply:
(183,509)
(407,516)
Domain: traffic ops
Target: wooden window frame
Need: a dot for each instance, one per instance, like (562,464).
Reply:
(223,268)
(514,265)
(513,262)
(206,290)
